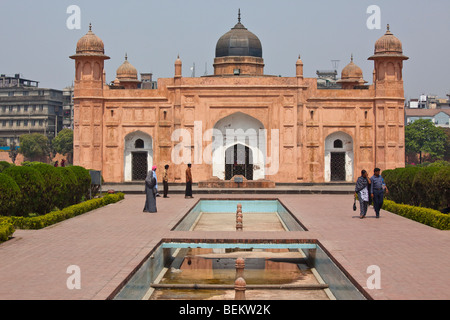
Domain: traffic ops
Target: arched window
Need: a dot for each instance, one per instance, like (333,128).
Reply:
(338,144)
(139,144)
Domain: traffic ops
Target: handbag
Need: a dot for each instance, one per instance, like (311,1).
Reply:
(354,205)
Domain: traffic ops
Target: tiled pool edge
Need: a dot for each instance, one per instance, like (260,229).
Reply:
(287,217)
(322,250)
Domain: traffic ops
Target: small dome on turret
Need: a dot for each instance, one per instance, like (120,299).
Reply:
(388,46)
(127,71)
(388,43)
(351,76)
(90,44)
(352,71)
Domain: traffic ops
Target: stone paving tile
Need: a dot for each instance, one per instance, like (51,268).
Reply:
(108,243)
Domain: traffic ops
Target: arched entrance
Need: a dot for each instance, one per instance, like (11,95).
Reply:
(239,148)
(138,156)
(339,158)
(238,161)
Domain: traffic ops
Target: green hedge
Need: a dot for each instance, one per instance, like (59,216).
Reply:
(9,196)
(53,187)
(6,230)
(424,186)
(429,217)
(35,223)
(70,181)
(37,188)
(31,186)
(83,183)
(441,182)
(428,195)
(4,165)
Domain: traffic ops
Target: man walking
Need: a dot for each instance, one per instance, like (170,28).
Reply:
(188,193)
(166,180)
(377,189)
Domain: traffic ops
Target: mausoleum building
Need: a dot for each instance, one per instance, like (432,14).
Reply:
(239,121)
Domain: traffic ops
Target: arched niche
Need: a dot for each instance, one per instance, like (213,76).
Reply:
(339,157)
(138,156)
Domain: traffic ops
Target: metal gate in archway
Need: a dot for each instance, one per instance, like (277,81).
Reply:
(238,161)
(139,166)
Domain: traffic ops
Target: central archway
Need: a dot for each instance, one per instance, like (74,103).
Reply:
(241,147)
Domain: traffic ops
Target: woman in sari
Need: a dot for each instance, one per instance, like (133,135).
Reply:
(362,192)
(150,193)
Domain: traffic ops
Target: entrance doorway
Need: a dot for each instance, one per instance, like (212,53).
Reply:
(339,157)
(338,166)
(238,161)
(138,145)
(139,166)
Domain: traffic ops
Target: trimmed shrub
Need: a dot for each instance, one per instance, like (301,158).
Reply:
(429,217)
(390,177)
(31,185)
(70,182)
(6,230)
(53,186)
(35,223)
(424,186)
(441,182)
(4,165)
(84,183)
(426,193)
(9,196)
(405,181)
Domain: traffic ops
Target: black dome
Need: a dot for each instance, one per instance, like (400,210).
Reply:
(239,42)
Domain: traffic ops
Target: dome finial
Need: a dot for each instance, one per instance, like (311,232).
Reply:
(352,57)
(126,56)
(90,26)
(388,27)
(239,15)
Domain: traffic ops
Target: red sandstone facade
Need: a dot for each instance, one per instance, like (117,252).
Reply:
(323,135)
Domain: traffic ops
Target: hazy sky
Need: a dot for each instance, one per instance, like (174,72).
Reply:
(36,42)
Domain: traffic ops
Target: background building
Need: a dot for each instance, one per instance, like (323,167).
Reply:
(25,108)
(440,117)
(429,107)
(68,108)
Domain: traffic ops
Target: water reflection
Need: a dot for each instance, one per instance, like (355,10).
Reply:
(218,266)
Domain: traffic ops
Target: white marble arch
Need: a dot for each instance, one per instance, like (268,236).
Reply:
(333,145)
(130,147)
(251,137)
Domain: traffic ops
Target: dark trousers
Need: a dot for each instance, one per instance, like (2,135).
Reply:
(166,188)
(363,205)
(188,192)
(378,198)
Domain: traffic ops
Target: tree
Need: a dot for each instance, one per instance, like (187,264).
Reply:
(63,143)
(13,151)
(447,144)
(422,136)
(34,147)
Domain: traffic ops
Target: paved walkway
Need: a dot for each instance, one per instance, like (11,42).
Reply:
(108,243)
